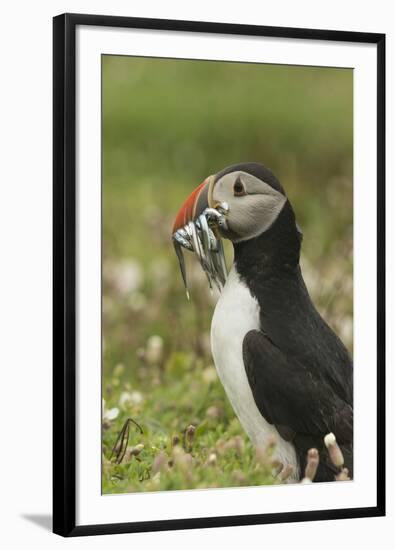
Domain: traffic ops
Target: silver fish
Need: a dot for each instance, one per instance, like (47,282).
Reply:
(201,236)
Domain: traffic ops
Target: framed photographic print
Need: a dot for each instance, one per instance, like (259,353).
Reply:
(218,274)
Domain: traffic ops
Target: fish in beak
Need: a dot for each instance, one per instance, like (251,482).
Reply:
(196,228)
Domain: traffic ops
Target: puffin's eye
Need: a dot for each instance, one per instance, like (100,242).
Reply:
(238,188)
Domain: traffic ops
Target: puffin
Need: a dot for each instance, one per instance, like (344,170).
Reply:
(286,373)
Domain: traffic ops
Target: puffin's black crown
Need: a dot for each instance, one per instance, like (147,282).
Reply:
(255,169)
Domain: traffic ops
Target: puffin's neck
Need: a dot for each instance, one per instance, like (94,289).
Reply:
(274,253)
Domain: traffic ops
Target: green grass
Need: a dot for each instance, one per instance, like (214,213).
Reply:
(167,125)
(216,454)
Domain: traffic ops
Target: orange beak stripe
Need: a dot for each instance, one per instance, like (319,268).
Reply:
(188,209)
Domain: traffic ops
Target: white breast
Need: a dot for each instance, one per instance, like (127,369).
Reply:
(236,313)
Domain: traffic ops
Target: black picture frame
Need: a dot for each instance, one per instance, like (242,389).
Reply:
(64,272)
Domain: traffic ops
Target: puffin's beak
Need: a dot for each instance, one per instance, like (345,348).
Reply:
(195,204)
(195,229)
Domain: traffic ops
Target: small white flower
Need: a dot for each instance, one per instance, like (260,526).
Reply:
(128,398)
(112,414)
(109,414)
(136,397)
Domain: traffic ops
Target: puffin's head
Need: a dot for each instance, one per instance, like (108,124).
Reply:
(239,203)
(251,192)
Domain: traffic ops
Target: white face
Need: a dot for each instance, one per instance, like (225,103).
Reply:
(253,204)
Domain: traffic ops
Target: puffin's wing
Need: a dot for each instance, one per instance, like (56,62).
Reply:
(291,396)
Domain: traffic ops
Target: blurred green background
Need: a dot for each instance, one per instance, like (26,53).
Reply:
(167,124)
